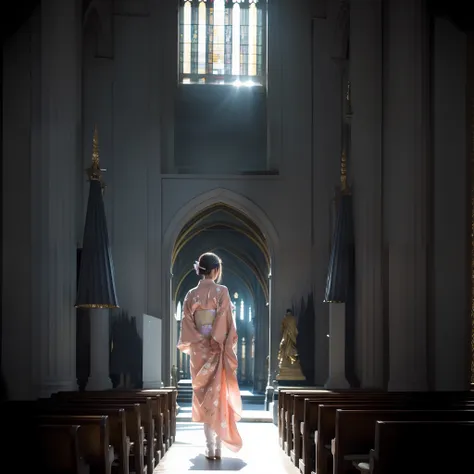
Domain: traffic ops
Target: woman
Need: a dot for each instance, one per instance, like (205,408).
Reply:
(209,336)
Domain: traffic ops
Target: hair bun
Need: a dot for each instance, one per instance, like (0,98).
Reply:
(207,263)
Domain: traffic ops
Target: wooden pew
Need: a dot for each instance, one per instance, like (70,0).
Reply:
(57,449)
(171,400)
(285,403)
(173,407)
(304,436)
(93,438)
(148,406)
(355,431)
(167,397)
(293,410)
(134,426)
(311,414)
(312,444)
(414,447)
(295,430)
(292,406)
(11,411)
(326,432)
(163,413)
(282,393)
(284,406)
(168,405)
(321,458)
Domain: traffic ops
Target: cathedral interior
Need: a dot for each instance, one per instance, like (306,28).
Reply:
(324,149)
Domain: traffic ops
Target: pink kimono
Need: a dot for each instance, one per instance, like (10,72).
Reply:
(212,350)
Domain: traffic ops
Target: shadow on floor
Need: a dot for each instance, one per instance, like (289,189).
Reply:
(201,463)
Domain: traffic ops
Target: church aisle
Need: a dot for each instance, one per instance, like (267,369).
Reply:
(260,453)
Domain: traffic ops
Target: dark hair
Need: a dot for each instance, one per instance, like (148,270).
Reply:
(207,263)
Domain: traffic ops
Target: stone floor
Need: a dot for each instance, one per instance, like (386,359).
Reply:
(260,453)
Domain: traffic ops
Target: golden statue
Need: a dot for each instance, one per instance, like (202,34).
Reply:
(288,359)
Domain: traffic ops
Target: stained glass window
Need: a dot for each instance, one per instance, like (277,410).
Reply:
(222,42)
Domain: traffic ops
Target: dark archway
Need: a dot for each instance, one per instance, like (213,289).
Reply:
(246,257)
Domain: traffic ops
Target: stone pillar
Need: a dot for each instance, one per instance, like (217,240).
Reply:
(261,344)
(175,321)
(337,347)
(326,173)
(272,360)
(366,166)
(53,199)
(451,263)
(405,199)
(99,378)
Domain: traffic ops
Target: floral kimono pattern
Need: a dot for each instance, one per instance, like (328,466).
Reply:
(213,362)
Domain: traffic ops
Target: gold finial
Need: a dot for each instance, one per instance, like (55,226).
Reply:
(95,172)
(344,187)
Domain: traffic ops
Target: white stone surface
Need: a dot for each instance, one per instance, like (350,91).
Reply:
(337,347)
(260,452)
(152,352)
(100,351)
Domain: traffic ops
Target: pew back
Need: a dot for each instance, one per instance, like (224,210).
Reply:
(414,447)
(57,449)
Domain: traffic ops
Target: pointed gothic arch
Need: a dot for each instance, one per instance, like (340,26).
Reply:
(252,218)
(211,198)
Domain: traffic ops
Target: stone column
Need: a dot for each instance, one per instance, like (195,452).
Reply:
(99,377)
(272,359)
(366,167)
(337,347)
(261,344)
(405,199)
(53,199)
(450,298)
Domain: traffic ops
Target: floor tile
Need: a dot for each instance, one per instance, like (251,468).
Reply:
(260,453)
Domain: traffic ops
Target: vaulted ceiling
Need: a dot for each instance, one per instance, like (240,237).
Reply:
(235,238)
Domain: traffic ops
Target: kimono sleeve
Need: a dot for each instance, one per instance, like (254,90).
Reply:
(229,341)
(189,332)
(225,331)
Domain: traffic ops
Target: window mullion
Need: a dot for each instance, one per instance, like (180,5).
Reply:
(210,38)
(194,39)
(244,38)
(229,56)
(228,39)
(261,39)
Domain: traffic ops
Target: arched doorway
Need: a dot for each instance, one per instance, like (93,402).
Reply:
(243,247)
